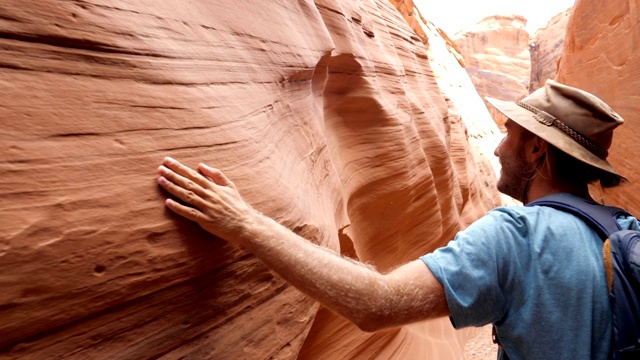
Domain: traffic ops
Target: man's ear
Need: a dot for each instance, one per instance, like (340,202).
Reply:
(537,149)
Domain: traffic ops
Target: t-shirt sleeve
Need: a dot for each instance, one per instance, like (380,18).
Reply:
(477,268)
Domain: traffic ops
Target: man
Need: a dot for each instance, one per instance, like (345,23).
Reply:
(535,272)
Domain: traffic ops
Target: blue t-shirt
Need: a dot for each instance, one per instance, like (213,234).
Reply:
(537,274)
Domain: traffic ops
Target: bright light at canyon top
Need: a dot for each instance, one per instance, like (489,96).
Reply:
(455,15)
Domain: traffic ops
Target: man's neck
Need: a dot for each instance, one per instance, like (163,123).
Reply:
(541,188)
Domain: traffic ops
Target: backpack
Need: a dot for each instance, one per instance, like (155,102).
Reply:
(621,258)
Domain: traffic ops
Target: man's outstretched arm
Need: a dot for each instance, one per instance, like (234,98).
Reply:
(358,292)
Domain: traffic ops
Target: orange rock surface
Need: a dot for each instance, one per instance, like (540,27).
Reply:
(601,55)
(413,17)
(326,114)
(546,48)
(496,53)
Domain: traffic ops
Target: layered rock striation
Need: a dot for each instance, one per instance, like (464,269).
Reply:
(326,114)
(496,53)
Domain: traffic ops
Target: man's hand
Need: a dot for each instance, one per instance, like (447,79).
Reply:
(216,204)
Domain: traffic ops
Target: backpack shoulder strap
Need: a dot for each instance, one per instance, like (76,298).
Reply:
(601,218)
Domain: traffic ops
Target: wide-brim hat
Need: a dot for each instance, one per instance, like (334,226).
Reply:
(573,120)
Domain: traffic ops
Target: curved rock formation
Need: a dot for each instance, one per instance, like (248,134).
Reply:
(496,53)
(413,17)
(601,55)
(326,114)
(546,48)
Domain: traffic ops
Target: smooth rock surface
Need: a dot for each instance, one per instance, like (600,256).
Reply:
(546,48)
(326,114)
(602,55)
(496,54)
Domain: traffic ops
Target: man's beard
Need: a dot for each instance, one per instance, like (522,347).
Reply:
(515,176)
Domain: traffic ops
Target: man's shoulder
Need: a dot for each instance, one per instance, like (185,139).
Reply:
(508,222)
(525,222)
(524,214)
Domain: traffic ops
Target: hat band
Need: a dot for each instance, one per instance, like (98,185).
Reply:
(547,119)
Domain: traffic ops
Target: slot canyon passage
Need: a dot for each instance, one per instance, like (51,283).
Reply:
(353,123)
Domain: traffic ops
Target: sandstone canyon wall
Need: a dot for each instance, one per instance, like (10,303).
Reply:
(456,85)
(496,54)
(602,55)
(326,114)
(546,47)
(413,17)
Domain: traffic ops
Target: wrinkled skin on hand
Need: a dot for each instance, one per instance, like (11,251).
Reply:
(215,203)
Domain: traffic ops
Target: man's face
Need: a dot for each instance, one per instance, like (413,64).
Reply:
(516,169)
